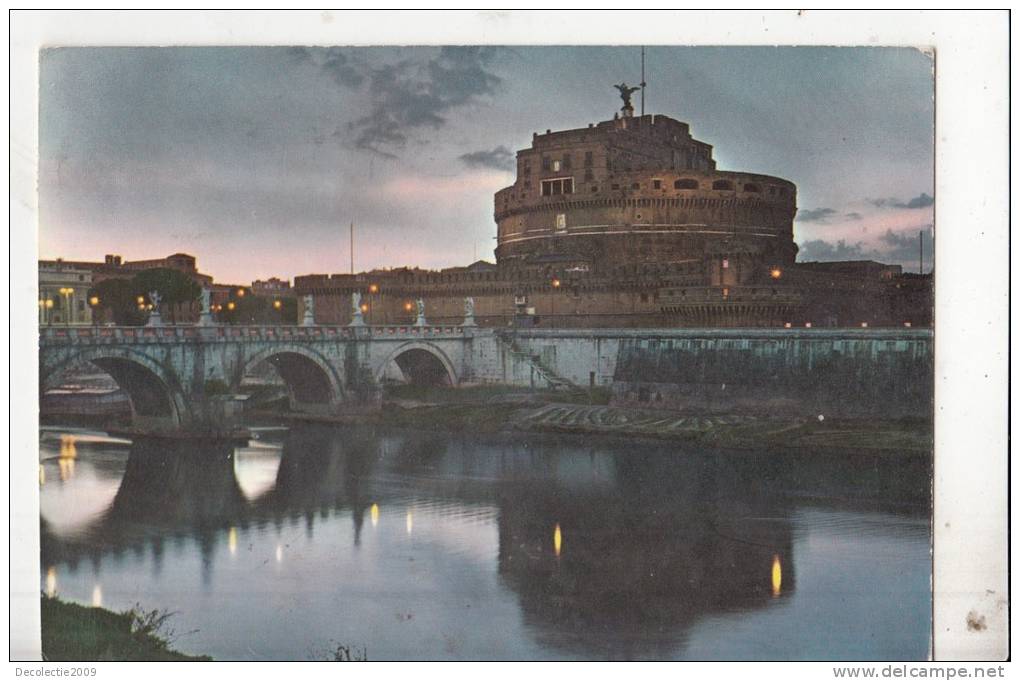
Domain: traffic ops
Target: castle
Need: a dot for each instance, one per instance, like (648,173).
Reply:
(628,223)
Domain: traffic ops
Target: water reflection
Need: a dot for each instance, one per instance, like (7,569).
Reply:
(670,543)
(604,552)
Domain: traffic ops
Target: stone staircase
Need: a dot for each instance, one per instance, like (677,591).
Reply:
(555,381)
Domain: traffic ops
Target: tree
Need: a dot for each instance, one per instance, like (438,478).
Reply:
(119,297)
(175,288)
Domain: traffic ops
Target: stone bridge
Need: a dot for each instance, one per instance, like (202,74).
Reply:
(181,378)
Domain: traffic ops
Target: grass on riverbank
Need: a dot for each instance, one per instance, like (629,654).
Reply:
(73,632)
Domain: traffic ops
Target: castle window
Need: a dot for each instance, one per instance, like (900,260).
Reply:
(561,222)
(588,176)
(751,187)
(556,187)
(546,163)
(722,184)
(685,183)
(616,186)
(635,186)
(566,161)
(656,184)
(594,189)
(588,160)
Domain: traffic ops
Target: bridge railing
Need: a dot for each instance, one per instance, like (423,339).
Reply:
(176,334)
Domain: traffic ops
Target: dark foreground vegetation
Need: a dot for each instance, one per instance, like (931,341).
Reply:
(77,633)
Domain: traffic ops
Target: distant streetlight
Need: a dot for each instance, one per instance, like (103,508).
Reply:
(140,300)
(277,304)
(776,273)
(240,293)
(373,288)
(556,283)
(408,306)
(364,307)
(230,305)
(94,301)
(67,293)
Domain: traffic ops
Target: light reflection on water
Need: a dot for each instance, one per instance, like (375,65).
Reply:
(512,548)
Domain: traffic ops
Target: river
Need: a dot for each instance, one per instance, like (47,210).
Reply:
(395,544)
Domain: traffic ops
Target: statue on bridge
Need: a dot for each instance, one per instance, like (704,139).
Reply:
(469,312)
(308,318)
(155,319)
(357,318)
(420,321)
(205,317)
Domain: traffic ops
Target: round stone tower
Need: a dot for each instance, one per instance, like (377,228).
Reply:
(640,190)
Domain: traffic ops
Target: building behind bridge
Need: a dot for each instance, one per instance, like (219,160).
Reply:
(629,223)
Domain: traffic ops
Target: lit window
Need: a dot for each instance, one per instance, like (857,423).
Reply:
(561,221)
(556,166)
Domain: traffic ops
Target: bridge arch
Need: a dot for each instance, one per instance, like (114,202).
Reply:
(420,362)
(155,393)
(312,382)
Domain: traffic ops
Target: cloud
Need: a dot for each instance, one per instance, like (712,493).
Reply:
(408,94)
(334,62)
(819,249)
(853,216)
(499,158)
(898,248)
(815,214)
(921,201)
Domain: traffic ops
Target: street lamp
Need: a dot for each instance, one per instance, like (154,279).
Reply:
(67,292)
(373,288)
(776,273)
(94,302)
(240,293)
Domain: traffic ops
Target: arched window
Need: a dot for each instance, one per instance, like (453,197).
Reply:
(722,184)
(751,187)
(685,183)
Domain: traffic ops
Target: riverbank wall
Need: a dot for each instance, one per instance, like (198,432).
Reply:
(782,372)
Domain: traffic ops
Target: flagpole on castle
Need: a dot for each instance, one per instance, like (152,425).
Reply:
(642,80)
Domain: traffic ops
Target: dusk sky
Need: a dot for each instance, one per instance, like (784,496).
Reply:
(256,160)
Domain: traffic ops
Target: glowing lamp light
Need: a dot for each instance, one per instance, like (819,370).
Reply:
(364,307)
(776,273)
(97,596)
(240,293)
(373,288)
(787,325)
(807,325)
(232,541)
(557,540)
(906,324)
(777,576)
(277,304)
(94,300)
(408,307)
(410,522)
(140,300)
(230,305)
(374,514)
(49,304)
(864,325)
(51,581)
(556,283)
